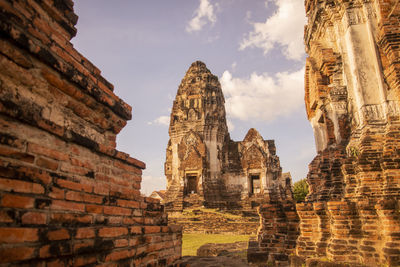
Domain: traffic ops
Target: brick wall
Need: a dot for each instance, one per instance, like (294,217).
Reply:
(67,196)
(352,214)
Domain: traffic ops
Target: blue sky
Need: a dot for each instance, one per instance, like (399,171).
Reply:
(255,47)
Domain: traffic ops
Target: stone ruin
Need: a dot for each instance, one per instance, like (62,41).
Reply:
(352,85)
(204,167)
(67,196)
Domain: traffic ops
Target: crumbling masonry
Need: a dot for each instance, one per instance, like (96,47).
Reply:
(67,196)
(352,86)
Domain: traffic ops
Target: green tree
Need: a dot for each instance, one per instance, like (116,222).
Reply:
(300,190)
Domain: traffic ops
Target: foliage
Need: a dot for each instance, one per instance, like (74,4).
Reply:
(300,190)
(191,242)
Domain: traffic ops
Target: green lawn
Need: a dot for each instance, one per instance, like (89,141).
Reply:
(191,242)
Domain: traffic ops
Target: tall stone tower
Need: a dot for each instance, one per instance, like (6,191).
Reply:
(197,133)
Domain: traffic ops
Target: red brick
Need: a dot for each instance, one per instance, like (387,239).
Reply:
(120,165)
(137,163)
(109,210)
(16,254)
(94,209)
(120,181)
(47,163)
(121,243)
(67,205)
(33,218)
(18,235)
(151,200)
(136,186)
(128,203)
(136,230)
(70,218)
(15,201)
(34,174)
(5,217)
(20,186)
(152,229)
(75,149)
(148,221)
(115,220)
(128,220)
(102,189)
(66,167)
(44,252)
(139,220)
(74,186)
(102,177)
(122,254)
(82,163)
(85,260)
(48,152)
(112,231)
(56,193)
(58,234)
(84,233)
(15,154)
(134,241)
(83,197)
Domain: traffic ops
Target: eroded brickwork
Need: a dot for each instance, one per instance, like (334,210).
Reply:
(352,99)
(67,196)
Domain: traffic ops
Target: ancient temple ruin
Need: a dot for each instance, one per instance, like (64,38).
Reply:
(352,85)
(203,165)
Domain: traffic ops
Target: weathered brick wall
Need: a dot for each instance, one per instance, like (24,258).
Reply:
(352,100)
(67,196)
(278,230)
(210,221)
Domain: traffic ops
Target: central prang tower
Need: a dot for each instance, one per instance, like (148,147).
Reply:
(197,132)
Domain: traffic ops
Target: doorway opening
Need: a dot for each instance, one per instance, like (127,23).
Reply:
(191,184)
(255,185)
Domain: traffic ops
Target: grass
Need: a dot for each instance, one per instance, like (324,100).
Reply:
(191,242)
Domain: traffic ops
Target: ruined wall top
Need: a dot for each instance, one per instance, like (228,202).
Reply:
(90,98)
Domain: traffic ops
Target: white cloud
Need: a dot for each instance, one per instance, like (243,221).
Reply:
(203,14)
(162,120)
(284,29)
(263,97)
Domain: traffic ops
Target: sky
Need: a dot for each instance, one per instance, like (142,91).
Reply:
(255,47)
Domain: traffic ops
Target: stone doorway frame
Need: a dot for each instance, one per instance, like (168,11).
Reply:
(252,177)
(194,177)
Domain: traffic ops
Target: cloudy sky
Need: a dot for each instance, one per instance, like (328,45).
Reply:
(254,46)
